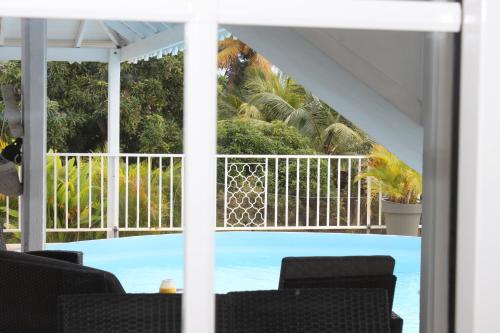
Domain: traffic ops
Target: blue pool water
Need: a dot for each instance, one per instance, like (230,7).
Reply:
(251,260)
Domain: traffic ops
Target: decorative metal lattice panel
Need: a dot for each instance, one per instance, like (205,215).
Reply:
(245,197)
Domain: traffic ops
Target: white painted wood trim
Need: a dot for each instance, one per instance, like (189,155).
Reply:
(60,54)
(146,10)
(478,267)
(200,148)
(34,86)
(80,33)
(113,36)
(113,143)
(346,14)
(153,43)
(66,43)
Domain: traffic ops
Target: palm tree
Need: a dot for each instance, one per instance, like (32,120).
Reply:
(234,104)
(235,57)
(279,97)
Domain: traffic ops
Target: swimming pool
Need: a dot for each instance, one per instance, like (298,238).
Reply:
(251,260)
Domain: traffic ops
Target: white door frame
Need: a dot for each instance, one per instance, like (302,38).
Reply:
(478,231)
(478,244)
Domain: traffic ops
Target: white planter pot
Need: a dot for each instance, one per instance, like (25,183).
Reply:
(402,219)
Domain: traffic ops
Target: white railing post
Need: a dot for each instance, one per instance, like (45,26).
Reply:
(113,197)
(225,191)
(266,179)
(368,205)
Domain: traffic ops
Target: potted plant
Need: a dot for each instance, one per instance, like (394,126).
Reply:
(401,188)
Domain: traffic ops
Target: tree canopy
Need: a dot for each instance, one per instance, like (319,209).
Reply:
(261,110)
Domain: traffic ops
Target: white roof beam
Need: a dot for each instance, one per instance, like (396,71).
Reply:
(346,14)
(163,39)
(60,54)
(141,29)
(80,33)
(124,31)
(152,27)
(147,10)
(68,43)
(113,36)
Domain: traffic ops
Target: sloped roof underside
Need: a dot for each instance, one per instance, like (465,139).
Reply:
(372,78)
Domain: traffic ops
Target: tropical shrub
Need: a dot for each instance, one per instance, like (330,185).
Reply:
(84,213)
(395,179)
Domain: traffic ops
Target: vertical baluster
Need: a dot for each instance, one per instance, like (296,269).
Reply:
(7,210)
(318,190)
(225,192)
(265,191)
(55,191)
(90,191)
(171,213)
(328,175)
(380,205)
(297,199)
(78,192)
(276,185)
(349,191)
(19,199)
(307,189)
(66,185)
(286,192)
(339,168)
(102,191)
(137,185)
(368,204)
(149,191)
(159,190)
(126,192)
(359,194)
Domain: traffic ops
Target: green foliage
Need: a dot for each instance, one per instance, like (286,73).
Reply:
(158,85)
(95,215)
(159,136)
(77,107)
(277,97)
(81,93)
(397,181)
(10,73)
(151,137)
(248,136)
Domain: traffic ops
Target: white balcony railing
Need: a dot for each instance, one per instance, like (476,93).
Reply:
(254,192)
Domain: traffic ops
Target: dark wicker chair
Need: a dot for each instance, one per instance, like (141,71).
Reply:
(30,286)
(75,257)
(342,272)
(274,311)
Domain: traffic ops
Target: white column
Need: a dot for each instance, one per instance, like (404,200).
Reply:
(34,86)
(478,244)
(200,118)
(113,143)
